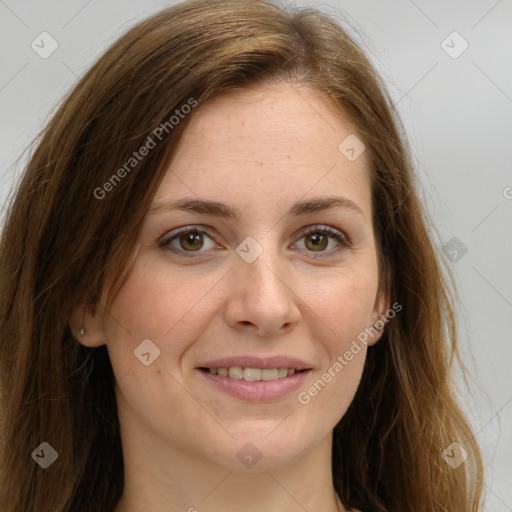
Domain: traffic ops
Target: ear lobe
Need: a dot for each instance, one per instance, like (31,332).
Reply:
(87,326)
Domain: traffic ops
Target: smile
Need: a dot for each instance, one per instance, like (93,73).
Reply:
(252,374)
(254,384)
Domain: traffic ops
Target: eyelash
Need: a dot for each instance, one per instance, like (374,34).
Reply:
(325,230)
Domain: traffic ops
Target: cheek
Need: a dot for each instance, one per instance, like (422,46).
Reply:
(168,308)
(151,301)
(345,310)
(344,301)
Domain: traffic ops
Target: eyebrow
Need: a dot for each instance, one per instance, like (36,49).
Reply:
(217,209)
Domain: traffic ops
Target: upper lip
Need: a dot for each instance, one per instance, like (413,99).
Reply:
(256,362)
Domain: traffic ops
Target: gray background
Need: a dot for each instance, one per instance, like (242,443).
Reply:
(457,112)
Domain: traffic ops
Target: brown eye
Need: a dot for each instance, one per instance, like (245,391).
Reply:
(316,241)
(191,241)
(188,241)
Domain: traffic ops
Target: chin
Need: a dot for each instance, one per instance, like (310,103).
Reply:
(247,452)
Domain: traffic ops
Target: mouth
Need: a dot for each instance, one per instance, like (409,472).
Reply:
(253,374)
(254,379)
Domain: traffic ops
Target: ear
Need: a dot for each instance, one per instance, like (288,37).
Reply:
(379,316)
(87,320)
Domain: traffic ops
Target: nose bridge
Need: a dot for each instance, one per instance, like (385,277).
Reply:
(262,263)
(263,278)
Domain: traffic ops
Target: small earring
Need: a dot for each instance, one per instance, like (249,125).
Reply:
(82,329)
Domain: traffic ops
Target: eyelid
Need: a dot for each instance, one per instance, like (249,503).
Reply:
(340,236)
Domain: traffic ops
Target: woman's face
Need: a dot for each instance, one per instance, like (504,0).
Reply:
(263,290)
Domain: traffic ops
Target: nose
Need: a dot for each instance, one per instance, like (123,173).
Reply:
(262,298)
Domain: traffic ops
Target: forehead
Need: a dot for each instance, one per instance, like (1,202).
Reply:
(274,142)
(279,116)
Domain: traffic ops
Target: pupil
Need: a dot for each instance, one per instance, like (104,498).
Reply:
(318,239)
(193,239)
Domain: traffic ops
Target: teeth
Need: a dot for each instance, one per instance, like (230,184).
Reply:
(253,374)
(236,372)
(269,374)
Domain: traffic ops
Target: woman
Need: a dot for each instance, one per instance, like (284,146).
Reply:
(170,340)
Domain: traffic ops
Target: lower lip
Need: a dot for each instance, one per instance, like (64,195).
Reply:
(257,391)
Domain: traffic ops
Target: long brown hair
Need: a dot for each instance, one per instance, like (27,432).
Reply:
(62,243)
